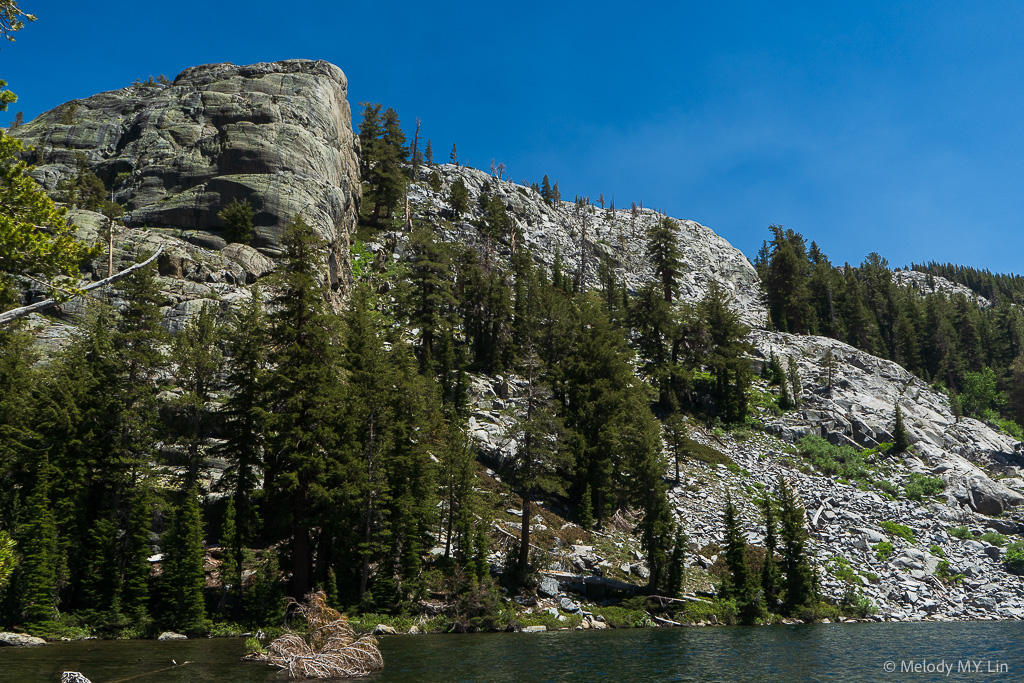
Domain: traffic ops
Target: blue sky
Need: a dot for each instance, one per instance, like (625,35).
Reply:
(865,126)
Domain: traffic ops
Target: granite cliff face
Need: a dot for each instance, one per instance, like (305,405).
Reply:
(618,235)
(276,134)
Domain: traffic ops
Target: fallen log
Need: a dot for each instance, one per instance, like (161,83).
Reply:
(16,313)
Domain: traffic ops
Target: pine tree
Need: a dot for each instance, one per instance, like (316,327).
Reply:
(246,428)
(304,386)
(430,298)
(735,554)
(458,198)
(795,560)
(676,437)
(37,584)
(453,158)
(539,456)
(793,375)
(545,190)
(197,359)
(428,154)
(770,574)
(230,570)
(183,567)
(663,252)
(900,438)
(675,583)
(237,218)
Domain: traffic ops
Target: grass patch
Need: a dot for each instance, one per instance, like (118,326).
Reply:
(961,532)
(936,551)
(894,529)
(706,454)
(845,463)
(621,617)
(883,550)
(920,486)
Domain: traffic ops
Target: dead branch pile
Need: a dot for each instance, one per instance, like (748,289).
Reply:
(329,650)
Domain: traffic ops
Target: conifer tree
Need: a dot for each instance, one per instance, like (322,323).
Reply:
(134,597)
(676,580)
(770,574)
(183,567)
(795,561)
(197,359)
(430,295)
(246,428)
(545,190)
(663,252)
(458,198)
(793,375)
(230,570)
(37,584)
(304,386)
(900,438)
(539,455)
(453,158)
(237,217)
(428,154)
(736,554)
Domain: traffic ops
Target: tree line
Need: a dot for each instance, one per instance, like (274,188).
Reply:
(975,355)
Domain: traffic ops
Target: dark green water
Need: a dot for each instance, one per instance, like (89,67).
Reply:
(859,652)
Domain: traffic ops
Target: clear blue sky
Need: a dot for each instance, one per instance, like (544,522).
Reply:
(867,126)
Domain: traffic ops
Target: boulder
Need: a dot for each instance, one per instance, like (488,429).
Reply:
(990,498)
(533,629)
(384,630)
(548,586)
(171,635)
(19,640)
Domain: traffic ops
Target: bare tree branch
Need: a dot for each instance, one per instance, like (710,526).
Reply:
(16,313)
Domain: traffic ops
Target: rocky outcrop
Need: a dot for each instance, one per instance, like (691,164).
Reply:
(934,284)
(276,134)
(619,235)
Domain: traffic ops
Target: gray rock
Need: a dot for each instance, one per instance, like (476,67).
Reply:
(568,605)
(993,552)
(276,134)
(533,629)
(19,640)
(991,498)
(171,635)
(548,586)
(384,630)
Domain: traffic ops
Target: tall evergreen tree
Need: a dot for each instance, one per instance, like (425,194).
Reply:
(197,361)
(795,560)
(37,584)
(183,578)
(304,386)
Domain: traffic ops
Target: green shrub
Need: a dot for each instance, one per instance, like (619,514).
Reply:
(936,551)
(895,529)
(1011,428)
(993,538)
(724,611)
(857,605)
(921,486)
(1014,557)
(946,575)
(817,611)
(961,532)
(884,550)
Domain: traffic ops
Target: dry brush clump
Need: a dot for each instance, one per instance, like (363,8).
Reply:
(330,648)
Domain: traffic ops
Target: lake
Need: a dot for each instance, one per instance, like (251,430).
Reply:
(986,651)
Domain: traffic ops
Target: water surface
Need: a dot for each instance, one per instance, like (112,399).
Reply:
(987,651)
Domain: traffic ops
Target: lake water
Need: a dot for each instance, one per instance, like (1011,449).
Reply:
(987,651)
